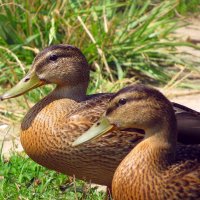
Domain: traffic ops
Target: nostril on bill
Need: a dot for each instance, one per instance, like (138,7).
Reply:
(26,79)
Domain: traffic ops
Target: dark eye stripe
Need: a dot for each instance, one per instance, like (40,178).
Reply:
(139,98)
(111,109)
(42,61)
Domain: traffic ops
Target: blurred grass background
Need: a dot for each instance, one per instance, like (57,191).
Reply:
(123,41)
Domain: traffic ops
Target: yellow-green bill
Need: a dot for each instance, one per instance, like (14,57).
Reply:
(99,128)
(29,82)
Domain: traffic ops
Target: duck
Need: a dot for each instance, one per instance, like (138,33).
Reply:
(150,170)
(50,127)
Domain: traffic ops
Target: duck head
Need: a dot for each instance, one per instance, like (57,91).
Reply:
(63,65)
(136,107)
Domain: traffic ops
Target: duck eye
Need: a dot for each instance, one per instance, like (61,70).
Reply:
(122,101)
(53,57)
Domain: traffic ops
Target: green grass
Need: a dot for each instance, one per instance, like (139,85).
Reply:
(21,178)
(186,7)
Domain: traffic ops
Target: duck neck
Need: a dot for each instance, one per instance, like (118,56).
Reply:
(158,147)
(144,166)
(76,93)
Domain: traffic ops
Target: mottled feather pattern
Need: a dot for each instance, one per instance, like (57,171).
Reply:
(48,132)
(182,181)
(133,180)
(50,127)
(187,152)
(157,168)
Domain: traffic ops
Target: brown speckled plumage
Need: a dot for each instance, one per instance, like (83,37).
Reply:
(47,140)
(154,169)
(139,177)
(50,127)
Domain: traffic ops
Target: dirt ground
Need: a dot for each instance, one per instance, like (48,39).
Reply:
(190,33)
(9,133)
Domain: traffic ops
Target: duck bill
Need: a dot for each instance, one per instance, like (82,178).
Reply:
(100,128)
(29,82)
